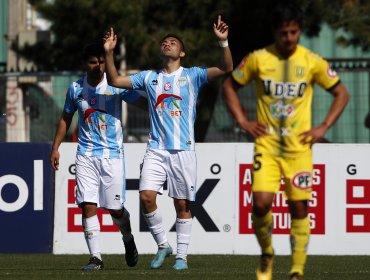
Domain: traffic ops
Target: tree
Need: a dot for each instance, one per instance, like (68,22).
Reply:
(142,24)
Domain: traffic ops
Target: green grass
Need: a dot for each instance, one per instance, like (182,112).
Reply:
(40,266)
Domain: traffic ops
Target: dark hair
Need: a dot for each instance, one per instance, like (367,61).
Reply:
(286,11)
(176,37)
(94,49)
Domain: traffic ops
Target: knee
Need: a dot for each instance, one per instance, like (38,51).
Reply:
(147,200)
(115,213)
(261,208)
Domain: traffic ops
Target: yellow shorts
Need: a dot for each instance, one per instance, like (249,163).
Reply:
(296,171)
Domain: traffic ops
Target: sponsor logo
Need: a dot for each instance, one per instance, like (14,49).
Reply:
(169,101)
(302,180)
(281,110)
(284,90)
(107,92)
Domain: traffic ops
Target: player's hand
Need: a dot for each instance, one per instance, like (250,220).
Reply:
(253,128)
(110,40)
(221,29)
(54,159)
(313,135)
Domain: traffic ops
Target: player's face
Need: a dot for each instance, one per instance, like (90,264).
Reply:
(287,37)
(171,48)
(95,67)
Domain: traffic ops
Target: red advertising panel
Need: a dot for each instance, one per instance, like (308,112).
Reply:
(281,216)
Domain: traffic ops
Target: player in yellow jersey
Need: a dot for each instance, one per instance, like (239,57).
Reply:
(285,73)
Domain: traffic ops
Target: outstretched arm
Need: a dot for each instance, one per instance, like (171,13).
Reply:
(114,79)
(221,31)
(340,101)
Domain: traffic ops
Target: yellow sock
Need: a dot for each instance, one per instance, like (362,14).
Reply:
(263,230)
(299,237)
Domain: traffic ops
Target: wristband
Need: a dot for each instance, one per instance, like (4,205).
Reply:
(223,44)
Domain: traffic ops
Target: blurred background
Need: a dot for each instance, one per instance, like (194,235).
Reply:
(42,40)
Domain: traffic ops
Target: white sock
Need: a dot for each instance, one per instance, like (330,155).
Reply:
(154,222)
(123,223)
(183,230)
(92,230)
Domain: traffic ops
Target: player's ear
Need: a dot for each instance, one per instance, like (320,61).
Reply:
(182,54)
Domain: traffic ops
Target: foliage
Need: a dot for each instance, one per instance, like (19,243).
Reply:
(142,24)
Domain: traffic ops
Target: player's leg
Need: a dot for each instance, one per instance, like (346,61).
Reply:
(298,187)
(87,198)
(299,236)
(153,176)
(112,195)
(266,182)
(183,232)
(182,188)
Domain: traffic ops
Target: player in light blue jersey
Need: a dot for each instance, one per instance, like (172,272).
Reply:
(170,157)
(100,173)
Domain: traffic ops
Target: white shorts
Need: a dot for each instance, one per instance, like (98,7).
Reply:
(177,167)
(101,181)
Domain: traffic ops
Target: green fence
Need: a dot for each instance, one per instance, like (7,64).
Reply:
(44,95)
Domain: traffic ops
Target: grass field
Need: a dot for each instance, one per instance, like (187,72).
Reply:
(202,267)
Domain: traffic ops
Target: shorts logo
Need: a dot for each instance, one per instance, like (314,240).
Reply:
(302,180)
(117,197)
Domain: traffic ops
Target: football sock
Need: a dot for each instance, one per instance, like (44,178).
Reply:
(92,230)
(263,230)
(299,237)
(154,222)
(183,231)
(124,225)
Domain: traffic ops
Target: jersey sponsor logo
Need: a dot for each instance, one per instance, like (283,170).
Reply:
(167,86)
(331,73)
(279,110)
(154,82)
(167,100)
(182,81)
(302,180)
(284,90)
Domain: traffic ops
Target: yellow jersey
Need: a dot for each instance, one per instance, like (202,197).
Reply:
(284,95)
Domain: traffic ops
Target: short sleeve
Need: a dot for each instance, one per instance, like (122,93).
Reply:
(130,96)
(324,76)
(69,104)
(246,70)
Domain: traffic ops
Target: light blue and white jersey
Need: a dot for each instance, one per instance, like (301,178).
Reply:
(172,105)
(100,132)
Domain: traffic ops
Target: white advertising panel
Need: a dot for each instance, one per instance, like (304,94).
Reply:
(339,208)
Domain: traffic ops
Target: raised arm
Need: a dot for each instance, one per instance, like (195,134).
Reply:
(114,79)
(221,31)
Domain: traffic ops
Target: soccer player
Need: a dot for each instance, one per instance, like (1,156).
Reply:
(285,73)
(170,157)
(100,172)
